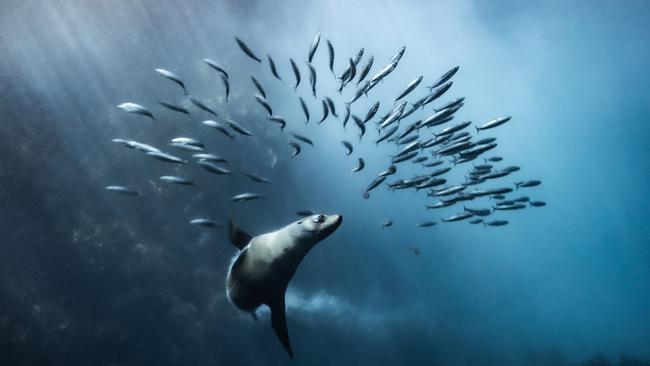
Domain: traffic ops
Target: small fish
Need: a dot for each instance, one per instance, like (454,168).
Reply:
(219,127)
(258,86)
(296,73)
(440,204)
(214,65)
(205,223)
(348,146)
(420,159)
(312,79)
(390,171)
(537,203)
(256,178)
(371,112)
(485,141)
(347,115)
(476,221)
(238,128)
(365,69)
(325,111)
(209,157)
(302,138)
(187,141)
(305,110)
(375,183)
(247,196)
(457,217)
(173,77)
(213,168)
(176,180)
(136,109)
(521,199)
(360,165)
(450,104)
(386,223)
(360,91)
(437,93)
(353,71)
(387,134)
(201,105)
(512,206)
(359,123)
(427,224)
(314,46)
(394,116)
(478,211)
(404,157)
(414,249)
(493,123)
(279,120)
(445,77)
(451,129)
(305,213)
(496,223)
(433,164)
(187,147)
(296,150)
(274,70)
(409,88)
(166,157)
(247,50)
(528,183)
(330,52)
(174,107)
(494,159)
(226,85)
(332,107)
(264,103)
(139,146)
(122,190)
(407,139)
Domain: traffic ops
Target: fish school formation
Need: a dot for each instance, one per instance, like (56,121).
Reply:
(423,131)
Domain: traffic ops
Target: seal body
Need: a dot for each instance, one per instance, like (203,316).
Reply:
(266,263)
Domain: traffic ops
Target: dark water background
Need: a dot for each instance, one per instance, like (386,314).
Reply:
(91,278)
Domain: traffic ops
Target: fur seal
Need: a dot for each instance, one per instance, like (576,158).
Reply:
(266,263)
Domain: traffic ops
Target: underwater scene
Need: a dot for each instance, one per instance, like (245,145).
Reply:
(223,182)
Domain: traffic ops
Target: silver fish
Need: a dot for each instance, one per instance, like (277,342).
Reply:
(296,150)
(238,128)
(274,70)
(314,46)
(458,217)
(216,66)
(219,127)
(136,109)
(348,146)
(247,50)
(427,224)
(205,223)
(296,72)
(258,86)
(445,77)
(325,111)
(279,120)
(264,103)
(360,125)
(256,178)
(302,138)
(174,107)
(493,123)
(371,112)
(360,165)
(365,69)
(166,157)
(330,52)
(123,190)
(176,180)
(201,105)
(226,85)
(496,223)
(213,168)
(332,106)
(312,79)
(305,110)
(209,157)
(173,77)
(409,88)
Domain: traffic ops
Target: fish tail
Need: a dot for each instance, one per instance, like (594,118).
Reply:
(477,130)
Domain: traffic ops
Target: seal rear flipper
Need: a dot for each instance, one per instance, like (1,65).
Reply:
(238,237)
(279,321)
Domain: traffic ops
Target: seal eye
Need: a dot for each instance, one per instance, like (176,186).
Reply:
(319,219)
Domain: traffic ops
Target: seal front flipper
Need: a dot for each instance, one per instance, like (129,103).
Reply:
(279,321)
(238,237)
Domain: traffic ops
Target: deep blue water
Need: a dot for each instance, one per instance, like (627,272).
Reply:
(89,277)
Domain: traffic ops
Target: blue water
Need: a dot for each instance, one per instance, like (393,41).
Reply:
(89,277)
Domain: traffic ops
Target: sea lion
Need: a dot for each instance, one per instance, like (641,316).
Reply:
(266,263)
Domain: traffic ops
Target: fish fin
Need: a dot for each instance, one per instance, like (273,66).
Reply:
(477,130)
(238,237)
(279,321)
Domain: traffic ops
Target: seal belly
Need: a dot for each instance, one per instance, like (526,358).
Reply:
(246,289)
